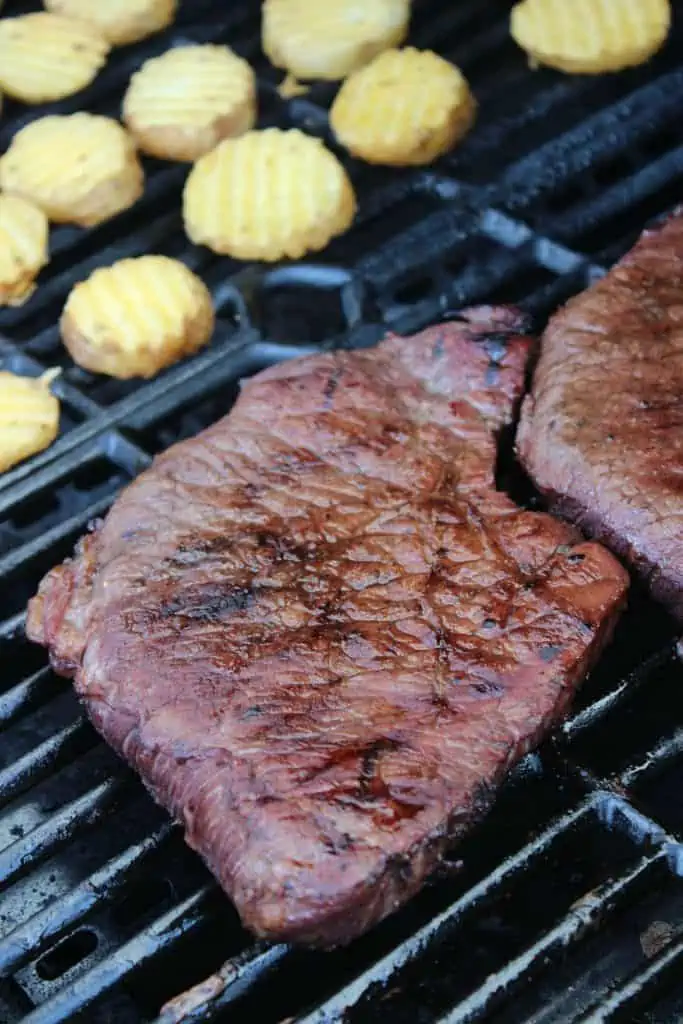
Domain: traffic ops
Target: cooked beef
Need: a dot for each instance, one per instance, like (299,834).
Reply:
(320,634)
(602,431)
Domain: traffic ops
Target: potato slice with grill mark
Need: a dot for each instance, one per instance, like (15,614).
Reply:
(590,36)
(136,317)
(268,195)
(406,107)
(29,416)
(45,56)
(23,248)
(119,21)
(80,168)
(330,38)
(180,105)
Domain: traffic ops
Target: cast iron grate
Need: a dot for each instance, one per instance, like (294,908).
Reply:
(567,903)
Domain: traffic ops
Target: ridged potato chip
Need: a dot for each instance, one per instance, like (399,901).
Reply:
(136,317)
(29,416)
(180,105)
(404,108)
(330,38)
(119,21)
(267,195)
(79,168)
(590,36)
(23,248)
(45,56)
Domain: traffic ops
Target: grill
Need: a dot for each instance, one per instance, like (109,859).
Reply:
(567,903)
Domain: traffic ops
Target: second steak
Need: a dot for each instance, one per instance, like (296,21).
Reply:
(602,432)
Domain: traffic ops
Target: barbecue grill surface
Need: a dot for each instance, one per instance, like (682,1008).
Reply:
(567,904)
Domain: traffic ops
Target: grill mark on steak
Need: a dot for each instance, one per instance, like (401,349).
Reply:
(285,624)
(601,433)
(209,603)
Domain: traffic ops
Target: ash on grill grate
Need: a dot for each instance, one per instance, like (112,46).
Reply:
(573,883)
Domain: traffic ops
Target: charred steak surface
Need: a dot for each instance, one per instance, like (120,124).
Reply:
(602,432)
(319,632)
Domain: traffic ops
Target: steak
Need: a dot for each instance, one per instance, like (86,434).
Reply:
(322,636)
(602,432)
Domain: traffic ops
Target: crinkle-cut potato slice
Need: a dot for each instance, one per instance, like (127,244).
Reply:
(180,105)
(45,56)
(590,36)
(29,416)
(331,38)
(267,195)
(119,21)
(79,168)
(136,317)
(23,248)
(406,107)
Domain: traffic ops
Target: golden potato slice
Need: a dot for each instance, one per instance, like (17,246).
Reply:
(267,195)
(29,416)
(80,168)
(404,108)
(331,38)
(136,317)
(45,56)
(119,21)
(590,36)
(23,248)
(180,105)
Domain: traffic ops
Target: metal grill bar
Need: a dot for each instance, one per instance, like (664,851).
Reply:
(60,748)
(180,922)
(550,947)
(619,1006)
(236,978)
(45,840)
(39,932)
(26,695)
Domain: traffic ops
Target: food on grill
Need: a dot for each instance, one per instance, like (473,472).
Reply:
(406,107)
(319,632)
(120,21)
(23,248)
(45,56)
(590,36)
(136,317)
(80,168)
(314,39)
(180,105)
(268,195)
(29,416)
(602,431)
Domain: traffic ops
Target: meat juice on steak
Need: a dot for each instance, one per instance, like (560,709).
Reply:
(322,636)
(602,432)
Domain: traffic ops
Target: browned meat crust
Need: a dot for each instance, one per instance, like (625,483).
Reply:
(319,633)
(602,432)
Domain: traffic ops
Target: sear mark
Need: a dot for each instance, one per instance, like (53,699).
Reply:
(209,603)
(331,386)
(369,784)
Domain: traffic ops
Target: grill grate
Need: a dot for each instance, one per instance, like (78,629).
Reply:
(567,903)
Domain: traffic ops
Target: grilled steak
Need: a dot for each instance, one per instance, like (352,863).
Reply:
(602,432)
(320,634)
